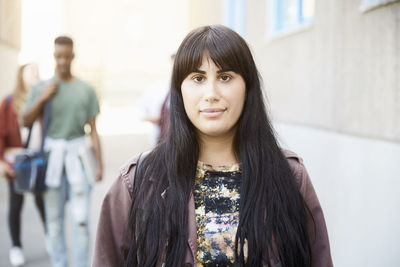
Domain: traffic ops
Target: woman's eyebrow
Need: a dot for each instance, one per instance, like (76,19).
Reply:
(203,72)
(199,71)
(224,70)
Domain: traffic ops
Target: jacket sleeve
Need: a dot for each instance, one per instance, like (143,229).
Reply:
(111,238)
(320,249)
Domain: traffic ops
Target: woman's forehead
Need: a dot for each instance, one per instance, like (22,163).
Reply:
(206,61)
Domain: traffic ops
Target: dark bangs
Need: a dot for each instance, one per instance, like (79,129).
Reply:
(226,49)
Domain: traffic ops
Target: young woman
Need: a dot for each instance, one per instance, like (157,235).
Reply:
(219,191)
(10,142)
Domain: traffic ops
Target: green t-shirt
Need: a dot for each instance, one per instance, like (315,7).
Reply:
(73,104)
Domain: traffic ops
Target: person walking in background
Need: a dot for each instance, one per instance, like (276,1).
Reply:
(150,109)
(153,108)
(73,105)
(11,141)
(219,190)
(164,114)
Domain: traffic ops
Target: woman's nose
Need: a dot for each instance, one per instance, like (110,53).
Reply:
(211,92)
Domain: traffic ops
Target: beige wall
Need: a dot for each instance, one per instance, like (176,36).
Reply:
(204,12)
(10,30)
(8,68)
(341,74)
(10,22)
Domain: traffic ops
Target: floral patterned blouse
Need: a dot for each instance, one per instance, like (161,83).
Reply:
(216,197)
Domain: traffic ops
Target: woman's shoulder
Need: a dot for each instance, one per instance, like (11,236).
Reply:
(7,114)
(6,101)
(297,167)
(126,173)
(294,160)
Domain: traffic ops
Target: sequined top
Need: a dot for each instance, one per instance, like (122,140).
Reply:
(216,198)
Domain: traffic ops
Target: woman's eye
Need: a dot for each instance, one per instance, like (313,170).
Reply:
(198,79)
(225,78)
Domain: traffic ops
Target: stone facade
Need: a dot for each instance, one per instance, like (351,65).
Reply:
(10,42)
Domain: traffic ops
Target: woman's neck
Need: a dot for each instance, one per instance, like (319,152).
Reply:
(217,151)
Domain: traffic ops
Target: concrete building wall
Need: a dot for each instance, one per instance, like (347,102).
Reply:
(10,41)
(356,180)
(205,12)
(341,74)
(8,68)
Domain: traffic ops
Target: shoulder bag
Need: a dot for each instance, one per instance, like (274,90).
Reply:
(30,165)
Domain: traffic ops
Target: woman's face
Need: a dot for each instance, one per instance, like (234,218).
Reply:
(213,98)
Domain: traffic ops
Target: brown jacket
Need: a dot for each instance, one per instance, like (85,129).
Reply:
(111,243)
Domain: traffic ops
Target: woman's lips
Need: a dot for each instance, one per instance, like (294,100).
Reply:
(212,112)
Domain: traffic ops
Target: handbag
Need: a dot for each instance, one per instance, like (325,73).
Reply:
(30,165)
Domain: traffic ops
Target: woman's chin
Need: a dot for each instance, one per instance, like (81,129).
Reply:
(216,132)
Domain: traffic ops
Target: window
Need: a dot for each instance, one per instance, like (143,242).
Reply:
(367,5)
(290,14)
(234,15)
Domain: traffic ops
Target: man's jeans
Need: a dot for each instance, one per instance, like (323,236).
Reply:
(55,200)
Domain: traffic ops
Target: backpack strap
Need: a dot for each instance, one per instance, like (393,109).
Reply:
(138,164)
(46,121)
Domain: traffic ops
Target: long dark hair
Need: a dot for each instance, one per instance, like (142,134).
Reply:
(272,220)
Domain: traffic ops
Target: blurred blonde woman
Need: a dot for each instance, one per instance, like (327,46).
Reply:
(11,141)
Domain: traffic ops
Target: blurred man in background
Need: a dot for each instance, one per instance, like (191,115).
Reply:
(73,105)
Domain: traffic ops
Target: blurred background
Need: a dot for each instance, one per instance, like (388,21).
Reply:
(331,72)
